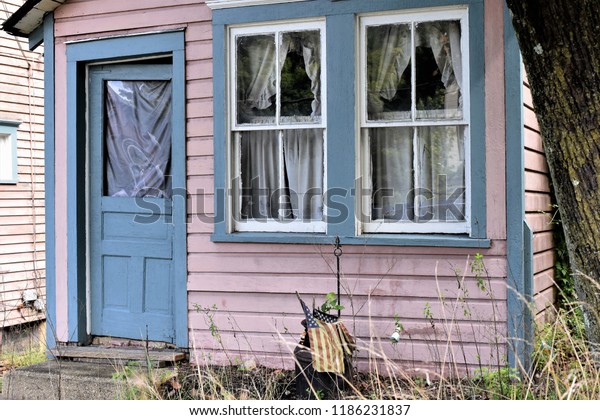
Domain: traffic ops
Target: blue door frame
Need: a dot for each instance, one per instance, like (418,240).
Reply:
(80,56)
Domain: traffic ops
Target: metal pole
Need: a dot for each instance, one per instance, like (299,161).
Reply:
(338,253)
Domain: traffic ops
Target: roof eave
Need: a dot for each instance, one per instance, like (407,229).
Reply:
(29,17)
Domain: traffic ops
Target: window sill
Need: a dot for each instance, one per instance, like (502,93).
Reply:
(424,240)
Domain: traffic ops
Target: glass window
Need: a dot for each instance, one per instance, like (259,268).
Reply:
(8,152)
(411,124)
(138,139)
(414,124)
(278,128)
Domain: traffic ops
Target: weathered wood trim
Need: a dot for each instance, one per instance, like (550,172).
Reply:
(228,4)
(116,48)
(36,37)
(518,311)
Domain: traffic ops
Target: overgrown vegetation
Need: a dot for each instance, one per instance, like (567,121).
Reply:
(562,369)
(562,365)
(11,360)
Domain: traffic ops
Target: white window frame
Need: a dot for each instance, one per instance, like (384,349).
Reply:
(8,152)
(364,222)
(234,202)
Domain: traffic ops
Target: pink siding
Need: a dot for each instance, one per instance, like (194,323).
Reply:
(539,212)
(494,126)
(22,228)
(252,285)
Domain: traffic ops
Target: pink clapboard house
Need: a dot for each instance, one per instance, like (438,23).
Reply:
(22,230)
(203,157)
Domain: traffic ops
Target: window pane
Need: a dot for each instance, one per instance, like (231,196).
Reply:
(138,139)
(300,60)
(392,173)
(260,175)
(441,174)
(256,79)
(388,72)
(438,61)
(303,157)
(6,157)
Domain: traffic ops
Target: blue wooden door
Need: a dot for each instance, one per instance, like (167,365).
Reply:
(130,216)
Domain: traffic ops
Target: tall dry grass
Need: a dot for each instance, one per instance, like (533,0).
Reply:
(562,364)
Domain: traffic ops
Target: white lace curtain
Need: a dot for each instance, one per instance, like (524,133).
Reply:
(300,194)
(439,174)
(394,47)
(257,87)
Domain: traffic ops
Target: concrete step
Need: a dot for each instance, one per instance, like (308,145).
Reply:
(62,380)
(82,373)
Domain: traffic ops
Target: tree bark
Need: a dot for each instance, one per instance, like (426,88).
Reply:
(559,42)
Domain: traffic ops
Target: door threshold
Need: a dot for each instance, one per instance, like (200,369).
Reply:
(160,357)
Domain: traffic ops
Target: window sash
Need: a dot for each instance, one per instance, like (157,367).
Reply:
(280,224)
(8,154)
(365,200)
(6,157)
(459,14)
(277,30)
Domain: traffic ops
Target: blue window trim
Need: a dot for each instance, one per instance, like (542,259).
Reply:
(9,127)
(78,56)
(48,33)
(340,18)
(518,234)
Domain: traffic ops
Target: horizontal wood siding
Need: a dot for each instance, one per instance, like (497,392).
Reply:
(241,296)
(22,229)
(539,212)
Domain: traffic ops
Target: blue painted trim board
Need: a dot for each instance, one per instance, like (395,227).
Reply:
(49,180)
(449,241)
(477,122)
(220,127)
(341,122)
(179,202)
(517,322)
(314,9)
(79,54)
(528,292)
(76,224)
(36,37)
(341,27)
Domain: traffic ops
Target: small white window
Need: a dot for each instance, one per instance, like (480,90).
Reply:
(277,128)
(414,118)
(8,152)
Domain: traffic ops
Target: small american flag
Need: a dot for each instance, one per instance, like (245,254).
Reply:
(330,341)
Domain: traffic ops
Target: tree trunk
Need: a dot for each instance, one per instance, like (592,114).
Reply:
(559,41)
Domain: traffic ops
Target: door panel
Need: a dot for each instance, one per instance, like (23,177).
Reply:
(130,220)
